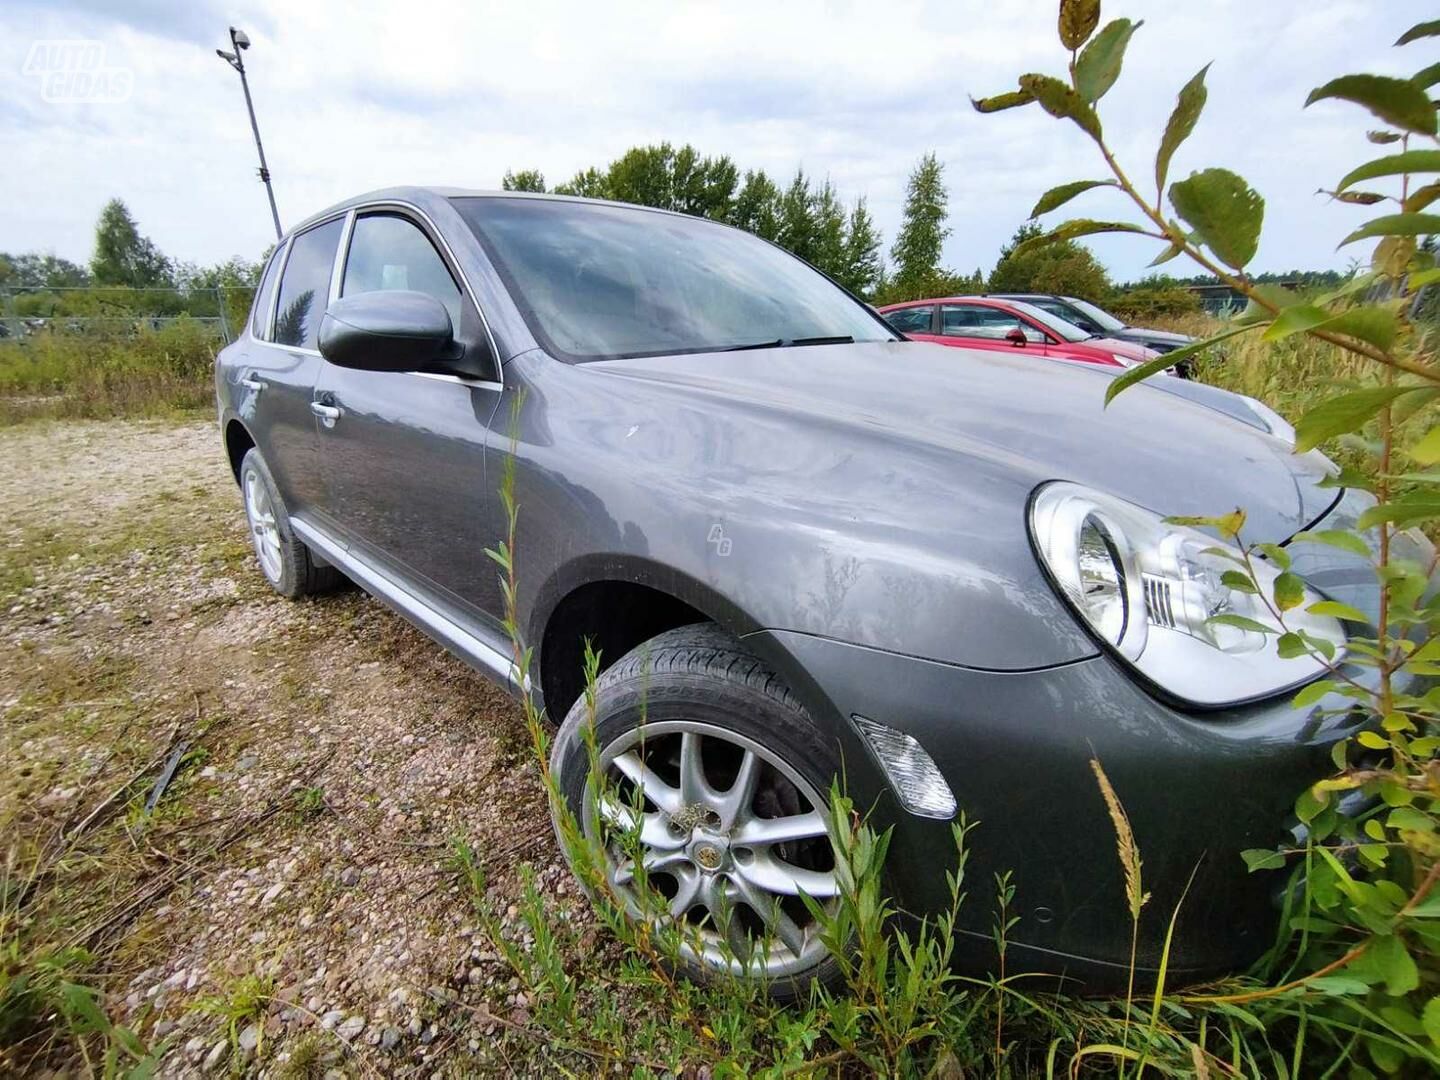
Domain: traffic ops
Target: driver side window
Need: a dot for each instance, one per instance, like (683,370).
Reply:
(389,252)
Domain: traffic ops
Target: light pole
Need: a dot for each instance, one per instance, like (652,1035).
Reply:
(239,42)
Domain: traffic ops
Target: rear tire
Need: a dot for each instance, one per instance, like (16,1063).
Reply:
(284,559)
(747,832)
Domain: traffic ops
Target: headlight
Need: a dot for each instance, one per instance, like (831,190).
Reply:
(1149,590)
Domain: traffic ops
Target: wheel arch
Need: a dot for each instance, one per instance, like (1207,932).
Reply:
(238,441)
(617,602)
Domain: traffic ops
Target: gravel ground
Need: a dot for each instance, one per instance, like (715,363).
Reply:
(332,754)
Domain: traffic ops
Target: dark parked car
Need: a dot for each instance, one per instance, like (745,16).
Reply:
(806,548)
(1094,319)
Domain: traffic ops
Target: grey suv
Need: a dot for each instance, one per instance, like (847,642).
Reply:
(807,550)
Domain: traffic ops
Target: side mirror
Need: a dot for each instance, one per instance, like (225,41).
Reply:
(385,331)
(1015,336)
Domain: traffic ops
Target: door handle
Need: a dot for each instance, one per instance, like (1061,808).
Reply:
(252,384)
(328,413)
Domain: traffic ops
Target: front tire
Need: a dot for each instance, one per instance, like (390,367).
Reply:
(730,773)
(284,559)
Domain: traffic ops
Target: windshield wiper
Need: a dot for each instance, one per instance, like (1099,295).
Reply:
(838,339)
(754,345)
(781,343)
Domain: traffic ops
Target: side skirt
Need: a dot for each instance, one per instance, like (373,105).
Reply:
(487,658)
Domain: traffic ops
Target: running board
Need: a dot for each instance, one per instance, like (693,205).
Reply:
(464,644)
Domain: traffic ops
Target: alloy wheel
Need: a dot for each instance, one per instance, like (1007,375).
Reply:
(264,532)
(729,836)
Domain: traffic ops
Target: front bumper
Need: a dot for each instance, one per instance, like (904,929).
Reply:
(1015,749)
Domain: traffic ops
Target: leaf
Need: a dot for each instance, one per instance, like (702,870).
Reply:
(1382,137)
(1074,228)
(1396,101)
(1078,19)
(1418,31)
(1338,984)
(1289,591)
(1225,212)
(1295,320)
(1355,198)
(1336,610)
(1001,102)
(1238,581)
(1289,646)
(1059,196)
(1188,104)
(1336,538)
(1411,161)
(1370,323)
(1059,100)
(1226,524)
(1401,514)
(1165,256)
(1426,77)
(1099,65)
(1420,198)
(1342,413)
(1430,1019)
(1240,622)
(1391,961)
(1427,450)
(1262,859)
(1164,362)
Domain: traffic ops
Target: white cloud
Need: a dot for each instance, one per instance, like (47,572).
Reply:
(351,98)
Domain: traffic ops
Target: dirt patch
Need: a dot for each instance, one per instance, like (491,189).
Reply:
(332,756)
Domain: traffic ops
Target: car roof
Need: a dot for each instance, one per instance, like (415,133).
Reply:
(422,195)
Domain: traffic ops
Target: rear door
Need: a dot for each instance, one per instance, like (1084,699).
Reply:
(403,453)
(283,363)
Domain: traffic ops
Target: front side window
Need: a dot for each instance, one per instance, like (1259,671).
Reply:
(260,316)
(1102,319)
(597,282)
(912,320)
(980,321)
(305,285)
(388,251)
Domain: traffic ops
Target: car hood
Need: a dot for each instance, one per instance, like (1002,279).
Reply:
(1130,349)
(1172,454)
(1139,333)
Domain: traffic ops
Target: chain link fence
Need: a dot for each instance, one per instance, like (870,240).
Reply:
(26,312)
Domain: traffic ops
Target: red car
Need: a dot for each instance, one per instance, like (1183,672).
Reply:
(975,322)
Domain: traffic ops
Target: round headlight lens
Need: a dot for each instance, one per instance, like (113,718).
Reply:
(1102,580)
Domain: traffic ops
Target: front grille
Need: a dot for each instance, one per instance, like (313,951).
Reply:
(1157,601)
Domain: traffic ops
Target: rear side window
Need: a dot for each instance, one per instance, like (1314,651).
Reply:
(305,285)
(260,316)
(387,252)
(911,320)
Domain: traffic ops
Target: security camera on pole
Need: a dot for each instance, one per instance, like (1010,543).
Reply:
(240,41)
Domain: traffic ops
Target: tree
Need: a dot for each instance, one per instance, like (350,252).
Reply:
(829,214)
(861,267)
(922,231)
(1063,267)
(592,184)
(124,257)
(524,180)
(798,227)
(757,208)
(31,269)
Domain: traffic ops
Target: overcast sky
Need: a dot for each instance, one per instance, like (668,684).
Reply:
(349,100)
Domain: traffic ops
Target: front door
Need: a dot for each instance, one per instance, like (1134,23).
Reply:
(403,454)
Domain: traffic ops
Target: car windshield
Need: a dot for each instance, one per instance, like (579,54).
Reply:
(1056,325)
(599,282)
(1098,315)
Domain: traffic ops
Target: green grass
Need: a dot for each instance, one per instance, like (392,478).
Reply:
(142,373)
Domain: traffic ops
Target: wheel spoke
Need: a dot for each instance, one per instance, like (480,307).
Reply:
(694,788)
(689,882)
(756,832)
(768,908)
(654,832)
(655,861)
(734,806)
(648,781)
(775,876)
